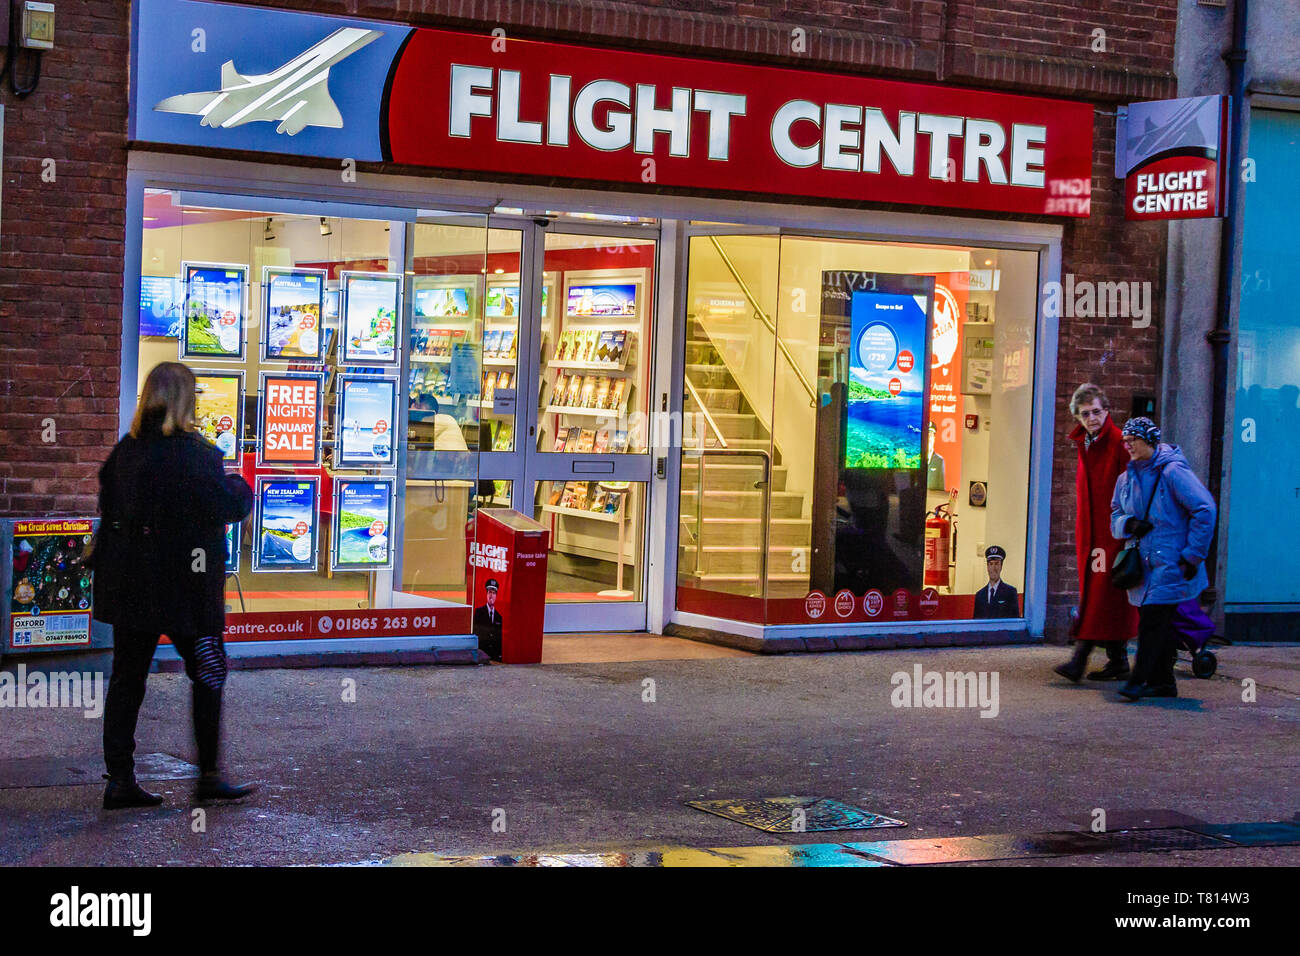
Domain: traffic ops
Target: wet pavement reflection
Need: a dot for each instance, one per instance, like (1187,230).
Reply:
(915,852)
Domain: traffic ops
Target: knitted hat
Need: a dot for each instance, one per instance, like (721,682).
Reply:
(1144,428)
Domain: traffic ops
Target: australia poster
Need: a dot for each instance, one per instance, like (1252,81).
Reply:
(294,302)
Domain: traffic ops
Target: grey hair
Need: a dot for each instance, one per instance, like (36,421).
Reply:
(1084,394)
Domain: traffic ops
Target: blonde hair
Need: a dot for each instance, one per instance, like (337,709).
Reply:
(167,400)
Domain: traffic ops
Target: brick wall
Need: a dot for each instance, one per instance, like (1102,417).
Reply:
(61,264)
(61,246)
(1109,351)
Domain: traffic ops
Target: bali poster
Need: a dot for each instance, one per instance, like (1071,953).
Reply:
(363,518)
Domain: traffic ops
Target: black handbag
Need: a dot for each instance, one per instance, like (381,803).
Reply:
(1127,571)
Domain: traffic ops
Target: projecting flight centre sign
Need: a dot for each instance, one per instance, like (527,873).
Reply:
(255,79)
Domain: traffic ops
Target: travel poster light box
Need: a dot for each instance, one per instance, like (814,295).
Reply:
(215,310)
(286,525)
(294,303)
(363,521)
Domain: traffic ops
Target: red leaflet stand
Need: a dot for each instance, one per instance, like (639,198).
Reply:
(507,584)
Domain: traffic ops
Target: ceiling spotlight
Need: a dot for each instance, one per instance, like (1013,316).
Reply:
(268,235)
(325,229)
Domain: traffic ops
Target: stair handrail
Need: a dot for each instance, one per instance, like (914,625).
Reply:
(713,426)
(767,320)
(765,481)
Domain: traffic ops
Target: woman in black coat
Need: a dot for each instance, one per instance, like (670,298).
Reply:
(164,500)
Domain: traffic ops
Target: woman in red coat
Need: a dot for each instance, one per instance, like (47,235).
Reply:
(1105,615)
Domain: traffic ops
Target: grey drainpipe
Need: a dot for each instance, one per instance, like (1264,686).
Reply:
(1221,334)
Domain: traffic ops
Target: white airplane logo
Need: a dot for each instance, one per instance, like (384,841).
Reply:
(297,94)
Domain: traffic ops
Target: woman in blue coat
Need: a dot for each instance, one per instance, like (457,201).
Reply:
(1172,540)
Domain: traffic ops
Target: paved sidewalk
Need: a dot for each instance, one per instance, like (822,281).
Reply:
(592,758)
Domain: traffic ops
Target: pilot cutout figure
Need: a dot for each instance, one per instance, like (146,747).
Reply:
(997,599)
(487,622)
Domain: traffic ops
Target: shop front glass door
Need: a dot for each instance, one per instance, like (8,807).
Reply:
(588,465)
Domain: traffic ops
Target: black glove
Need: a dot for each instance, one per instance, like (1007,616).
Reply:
(1137,527)
(1189,569)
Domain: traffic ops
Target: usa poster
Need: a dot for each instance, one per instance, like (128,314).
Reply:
(216,310)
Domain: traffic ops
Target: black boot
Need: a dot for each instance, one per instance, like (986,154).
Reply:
(1072,670)
(1116,664)
(213,786)
(123,792)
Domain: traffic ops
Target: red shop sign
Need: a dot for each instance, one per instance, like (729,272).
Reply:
(573,112)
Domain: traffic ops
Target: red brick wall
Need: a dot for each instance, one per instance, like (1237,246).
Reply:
(61,246)
(61,264)
(1108,351)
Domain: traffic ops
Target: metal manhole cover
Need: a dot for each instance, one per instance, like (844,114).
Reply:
(795,814)
(1165,839)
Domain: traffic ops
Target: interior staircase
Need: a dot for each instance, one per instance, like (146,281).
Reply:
(722,530)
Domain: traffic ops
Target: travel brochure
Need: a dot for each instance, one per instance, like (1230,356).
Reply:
(370,318)
(495,380)
(499,344)
(286,525)
(364,421)
(593,346)
(598,392)
(215,310)
(219,410)
(363,523)
(436,343)
(294,301)
(597,441)
(428,380)
(602,299)
(590,496)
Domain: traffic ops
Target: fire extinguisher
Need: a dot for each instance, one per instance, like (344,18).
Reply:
(938,546)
